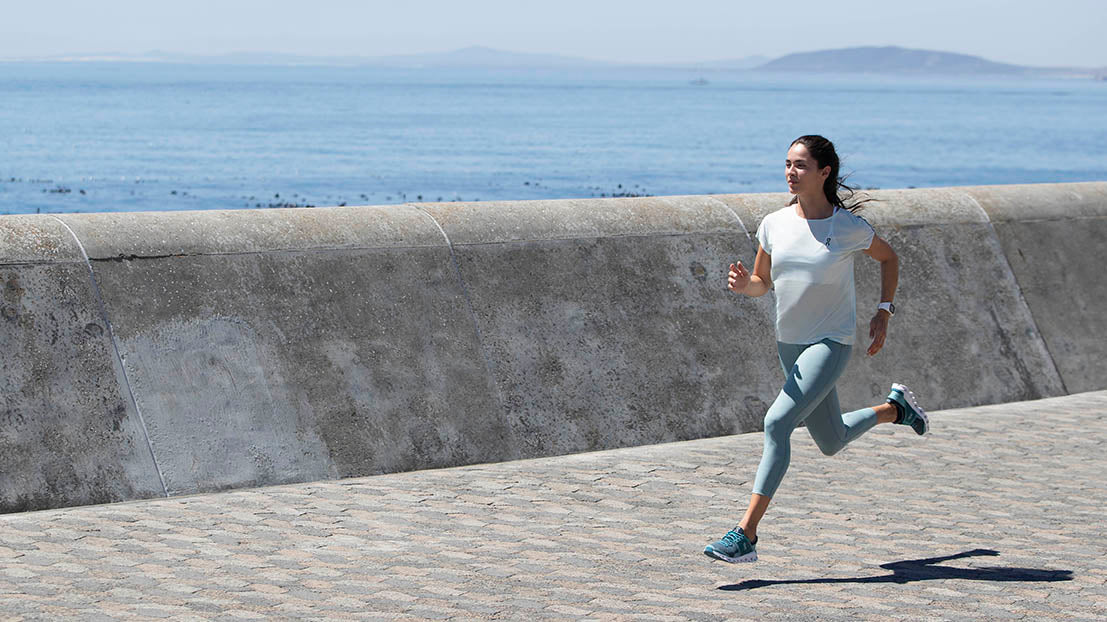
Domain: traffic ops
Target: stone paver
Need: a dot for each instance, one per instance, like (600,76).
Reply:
(999,514)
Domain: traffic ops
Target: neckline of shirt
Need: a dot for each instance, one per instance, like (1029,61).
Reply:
(795,212)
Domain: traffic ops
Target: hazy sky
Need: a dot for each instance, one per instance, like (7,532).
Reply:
(1058,32)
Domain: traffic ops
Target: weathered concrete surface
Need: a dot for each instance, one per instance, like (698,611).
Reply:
(996,515)
(614,307)
(1053,239)
(275,346)
(354,356)
(235,232)
(69,433)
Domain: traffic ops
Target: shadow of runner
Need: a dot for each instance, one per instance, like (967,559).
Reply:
(926,569)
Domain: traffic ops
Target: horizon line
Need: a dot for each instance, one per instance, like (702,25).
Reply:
(157,55)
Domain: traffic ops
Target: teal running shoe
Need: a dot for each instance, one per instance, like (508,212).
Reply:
(910,413)
(735,548)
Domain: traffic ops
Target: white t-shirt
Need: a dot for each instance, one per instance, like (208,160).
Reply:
(812,272)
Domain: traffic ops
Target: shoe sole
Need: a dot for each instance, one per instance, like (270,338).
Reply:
(744,559)
(910,397)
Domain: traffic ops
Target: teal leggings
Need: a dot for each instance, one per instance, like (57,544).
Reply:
(808,395)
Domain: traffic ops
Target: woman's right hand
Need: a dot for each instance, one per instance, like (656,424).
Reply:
(738,278)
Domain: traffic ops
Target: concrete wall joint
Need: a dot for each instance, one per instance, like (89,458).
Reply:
(271,251)
(469,307)
(575,238)
(737,218)
(1022,297)
(25,264)
(115,350)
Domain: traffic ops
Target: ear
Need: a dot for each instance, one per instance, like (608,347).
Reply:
(824,172)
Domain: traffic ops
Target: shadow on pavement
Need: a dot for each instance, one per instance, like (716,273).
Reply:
(924,569)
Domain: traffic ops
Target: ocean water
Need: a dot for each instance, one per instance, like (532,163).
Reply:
(94,137)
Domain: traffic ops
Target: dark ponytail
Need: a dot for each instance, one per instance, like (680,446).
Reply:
(835,188)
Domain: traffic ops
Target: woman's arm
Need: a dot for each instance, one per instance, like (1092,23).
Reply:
(740,280)
(889,280)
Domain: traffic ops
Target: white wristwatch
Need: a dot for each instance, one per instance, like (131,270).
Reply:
(887,306)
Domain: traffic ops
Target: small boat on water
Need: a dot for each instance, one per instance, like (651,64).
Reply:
(698,82)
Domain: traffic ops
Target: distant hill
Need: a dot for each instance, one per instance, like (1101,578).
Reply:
(888,59)
(891,59)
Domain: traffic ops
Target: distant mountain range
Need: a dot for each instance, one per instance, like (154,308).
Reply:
(869,60)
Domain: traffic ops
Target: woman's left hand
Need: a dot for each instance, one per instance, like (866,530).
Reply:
(878,329)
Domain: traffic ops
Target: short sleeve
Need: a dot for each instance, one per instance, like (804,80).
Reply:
(763,236)
(860,236)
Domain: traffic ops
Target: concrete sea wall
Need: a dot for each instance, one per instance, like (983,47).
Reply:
(154,354)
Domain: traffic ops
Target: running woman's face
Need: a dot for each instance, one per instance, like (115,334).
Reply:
(802,172)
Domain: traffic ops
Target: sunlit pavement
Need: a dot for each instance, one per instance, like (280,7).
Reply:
(998,514)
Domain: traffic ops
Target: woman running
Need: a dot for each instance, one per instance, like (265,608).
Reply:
(806,252)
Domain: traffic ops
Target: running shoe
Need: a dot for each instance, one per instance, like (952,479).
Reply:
(910,413)
(735,548)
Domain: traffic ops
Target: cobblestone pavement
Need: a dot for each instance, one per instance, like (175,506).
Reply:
(998,514)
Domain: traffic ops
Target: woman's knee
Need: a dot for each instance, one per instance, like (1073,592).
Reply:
(825,437)
(778,424)
(828,447)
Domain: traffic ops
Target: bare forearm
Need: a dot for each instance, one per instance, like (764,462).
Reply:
(889,278)
(756,287)
(740,280)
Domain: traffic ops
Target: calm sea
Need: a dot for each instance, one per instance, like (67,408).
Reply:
(89,137)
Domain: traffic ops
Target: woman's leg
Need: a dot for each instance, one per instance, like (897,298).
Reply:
(808,377)
(833,430)
(812,371)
